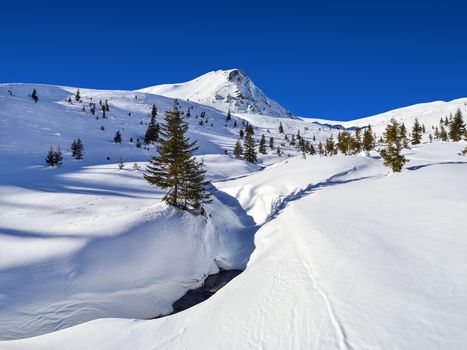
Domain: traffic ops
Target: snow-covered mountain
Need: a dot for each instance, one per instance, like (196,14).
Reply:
(336,254)
(223,89)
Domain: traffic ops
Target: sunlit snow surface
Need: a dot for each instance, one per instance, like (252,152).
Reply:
(344,255)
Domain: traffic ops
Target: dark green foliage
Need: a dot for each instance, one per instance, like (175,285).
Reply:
(118,137)
(262,145)
(281,128)
(175,168)
(238,149)
(391,154)
(228,117)
(271,142)
(54,157)
(249,151)
(416,132)
(77,149)
(241,134)
(77,96)
(34,96)
(457,127)
(152,132)
(330,146)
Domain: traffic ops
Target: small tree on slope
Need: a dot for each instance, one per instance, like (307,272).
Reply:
(416,133)
(391,155)
(175,168)
(249,151)
(457,127)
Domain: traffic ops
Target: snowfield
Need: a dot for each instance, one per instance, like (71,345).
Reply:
(336,252)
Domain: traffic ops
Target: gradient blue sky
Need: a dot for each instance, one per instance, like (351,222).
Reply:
(330,59)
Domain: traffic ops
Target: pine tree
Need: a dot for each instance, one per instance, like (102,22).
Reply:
(77,96)
(271,142)
(391,154)
(228,117)
(457,127)
(50,159)
(175,168)
(238,149)
(152,132)
(234,124)
(249,151)
(58,157)
(262,145)
(416,132)
(118,137)
(77,149)
(241,134)
(368,142)
(330,146)
(320,149)
(403,135)
(281,128)
(34,96)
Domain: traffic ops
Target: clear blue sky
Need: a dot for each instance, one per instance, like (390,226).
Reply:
(334,59)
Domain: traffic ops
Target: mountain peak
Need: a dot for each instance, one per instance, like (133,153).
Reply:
(223,89)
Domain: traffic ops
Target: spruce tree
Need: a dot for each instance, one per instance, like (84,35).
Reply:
(416,132)
(77,96)
(330,146)
(281,128)
(262,145)
(58,157)
(152,132)
(457,127)
(271,142)
(34,96)
(77,149)
(238,149)
(368,142)
(443,135)
(118,137)
(391,154)
(175,168)
(403,135)
(249,151)
(228,117)
(50,159)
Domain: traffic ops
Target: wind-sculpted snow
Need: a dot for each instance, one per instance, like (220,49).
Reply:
(347,258)
(338,254)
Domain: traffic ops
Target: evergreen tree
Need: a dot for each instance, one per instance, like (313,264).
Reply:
(77,96)
(249,151)
(152,132)
(330,146)
(311,149)
(281,128)
(457,127)
(368,142)
(320,149)
(271,142)
(77,149)
(228,117)
(234,124)
(436,133)
(238,149)
(50,159)
(175,168)
(118,137)
(58,157)
(241,133)
(416,132)
(262,145)
(391,154)
(403,135)
(34,96)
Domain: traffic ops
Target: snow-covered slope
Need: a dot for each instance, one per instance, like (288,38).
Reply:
(428,114)
(223,89)
(348,258)
(344,256)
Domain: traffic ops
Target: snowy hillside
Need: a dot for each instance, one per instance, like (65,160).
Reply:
(336,252)
(230,89)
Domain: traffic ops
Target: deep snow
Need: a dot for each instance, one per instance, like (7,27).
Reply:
(344,255)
